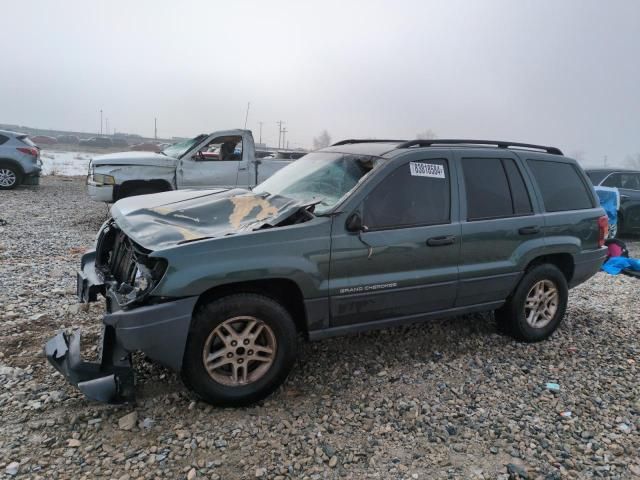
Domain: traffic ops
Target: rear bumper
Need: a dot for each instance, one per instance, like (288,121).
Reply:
(586,265)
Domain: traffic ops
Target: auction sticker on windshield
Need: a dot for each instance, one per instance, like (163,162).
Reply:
(419,169)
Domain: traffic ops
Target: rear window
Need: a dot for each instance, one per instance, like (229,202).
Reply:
(561,186)
(26,140)
(3,139)
(495,188)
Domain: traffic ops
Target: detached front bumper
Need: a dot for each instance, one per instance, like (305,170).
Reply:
(111,380)
(159,331)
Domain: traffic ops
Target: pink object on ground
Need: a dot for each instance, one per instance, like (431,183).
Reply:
(614,250)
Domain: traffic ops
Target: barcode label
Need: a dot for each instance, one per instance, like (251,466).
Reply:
(419,169)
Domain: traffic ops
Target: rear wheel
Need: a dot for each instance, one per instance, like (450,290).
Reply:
(537,306)
(240,349)
(10,177)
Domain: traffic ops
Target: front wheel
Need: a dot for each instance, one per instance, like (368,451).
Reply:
(240,349)
(537,306)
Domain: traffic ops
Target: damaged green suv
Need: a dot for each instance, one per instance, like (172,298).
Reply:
(219,284)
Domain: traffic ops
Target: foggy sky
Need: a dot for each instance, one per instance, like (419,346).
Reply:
(563,73)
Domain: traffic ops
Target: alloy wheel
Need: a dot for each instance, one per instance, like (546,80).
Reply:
(541,304)
(7,177)
(239,351)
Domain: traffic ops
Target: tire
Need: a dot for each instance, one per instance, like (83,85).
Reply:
(10,177)
(213,321)
(512,317)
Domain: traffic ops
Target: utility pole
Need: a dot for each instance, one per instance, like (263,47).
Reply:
(246,117)
(284,132)
(260,141)
(155,128)
(279,123)
(100,121)
(106,126)
(605,160)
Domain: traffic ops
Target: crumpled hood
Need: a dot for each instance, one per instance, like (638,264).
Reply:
(166,219)
(134,158)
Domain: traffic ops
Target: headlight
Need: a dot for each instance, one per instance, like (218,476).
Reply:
(102,179)
(142,279)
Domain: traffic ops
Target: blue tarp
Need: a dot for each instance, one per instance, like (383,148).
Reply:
(610,201)
(615,265)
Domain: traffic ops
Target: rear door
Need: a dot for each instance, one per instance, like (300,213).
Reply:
(628,183)
(498,217)
(405,263)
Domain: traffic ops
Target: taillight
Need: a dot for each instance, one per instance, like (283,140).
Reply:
(29,151)
(603,230)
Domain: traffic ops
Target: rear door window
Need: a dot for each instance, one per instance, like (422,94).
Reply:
(561,186)
(629,181)
(3,139)
(494,188)
(415,194)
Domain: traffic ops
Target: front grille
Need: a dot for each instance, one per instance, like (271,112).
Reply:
(121,263)
(115,255)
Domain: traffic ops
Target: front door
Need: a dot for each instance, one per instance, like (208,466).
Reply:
(217,162)
(405,263)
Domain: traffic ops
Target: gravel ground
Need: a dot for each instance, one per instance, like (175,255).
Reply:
(446,399)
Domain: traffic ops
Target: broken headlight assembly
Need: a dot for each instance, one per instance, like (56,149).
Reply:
(144,276)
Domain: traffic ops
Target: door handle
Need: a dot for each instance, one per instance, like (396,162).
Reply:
(440,241)
(242,168)
(532,230)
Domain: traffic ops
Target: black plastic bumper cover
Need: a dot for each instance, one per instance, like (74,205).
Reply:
(160,331)
(109,381)
(88,282)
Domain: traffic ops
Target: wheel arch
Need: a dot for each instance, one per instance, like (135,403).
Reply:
(282,290)
(563,261)
(10,162)
(128,186)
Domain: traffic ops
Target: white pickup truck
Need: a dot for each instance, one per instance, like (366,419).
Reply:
(220,159)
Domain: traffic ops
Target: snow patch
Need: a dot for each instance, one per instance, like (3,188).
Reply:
(65,163)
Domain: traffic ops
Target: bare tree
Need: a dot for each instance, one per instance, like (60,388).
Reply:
(321,141)
(428,134)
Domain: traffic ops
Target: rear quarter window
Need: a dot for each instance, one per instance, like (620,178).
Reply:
(561,186)
(26,140)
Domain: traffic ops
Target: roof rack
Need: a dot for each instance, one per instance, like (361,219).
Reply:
(365,140)
(499,144)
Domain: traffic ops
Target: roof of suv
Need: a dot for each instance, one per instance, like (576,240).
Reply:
(380,147)
(11,134)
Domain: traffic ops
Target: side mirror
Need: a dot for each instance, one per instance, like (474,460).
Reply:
(354,223)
